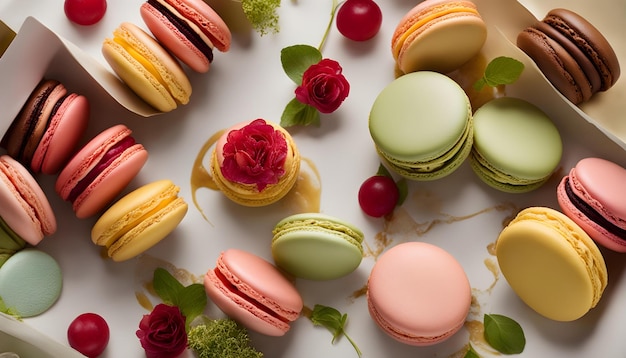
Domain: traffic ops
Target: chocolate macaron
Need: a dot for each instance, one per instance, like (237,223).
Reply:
(573,54)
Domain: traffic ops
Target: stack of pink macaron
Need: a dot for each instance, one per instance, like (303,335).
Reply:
(184,30)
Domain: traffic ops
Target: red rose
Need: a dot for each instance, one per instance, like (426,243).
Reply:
(162,333)
(323,86)
(255,154)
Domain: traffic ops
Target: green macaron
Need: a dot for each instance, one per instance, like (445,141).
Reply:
(516,147)
(316,246)
(421,124)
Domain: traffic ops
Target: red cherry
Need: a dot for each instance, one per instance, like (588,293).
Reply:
(85,12)
(359,20)
(89,334)
(378,195)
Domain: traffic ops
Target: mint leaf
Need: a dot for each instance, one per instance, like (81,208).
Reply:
(298,58)
(500,71)
(298,113)
(166,286)
(334,321)
(504,334)
(471,353)
(192,301)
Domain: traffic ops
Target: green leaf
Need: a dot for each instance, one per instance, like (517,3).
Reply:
(403,190)
(383,171)
(334,321)
(500,71)
(192,301)
(298,58)
(166,286)
(298,113)
(504,334)
(471,353)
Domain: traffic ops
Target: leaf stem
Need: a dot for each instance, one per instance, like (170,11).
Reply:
(356,348)
(330,23)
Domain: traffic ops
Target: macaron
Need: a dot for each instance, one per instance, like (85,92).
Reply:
(24,207)
(100,170)
(255,163)
(438,35)
(316,246)
(139,220)
(30,282)
(45,133)
(572,53)
(551,264)
(146,67)
(253,292)
(516,147)
(593,196)
(418,294)
(190,29)
(421,125)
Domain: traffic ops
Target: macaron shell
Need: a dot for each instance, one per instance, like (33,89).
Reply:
(65,130)
(207,19)
(316,246)
(30,282)
(568,274)
(424,307)
(518,140)
(248,283)
(174,40)
(25,207)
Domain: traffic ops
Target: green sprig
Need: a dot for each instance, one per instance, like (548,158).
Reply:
(262,15)
(334,321)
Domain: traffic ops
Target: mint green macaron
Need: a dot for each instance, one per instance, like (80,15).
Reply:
(316,246)
(516,147)
(421,124)
(30,282)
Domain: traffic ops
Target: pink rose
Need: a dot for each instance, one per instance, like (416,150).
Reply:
(323,86)
(162,333)
(255,154)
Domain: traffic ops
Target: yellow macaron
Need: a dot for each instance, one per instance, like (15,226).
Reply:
(551,264)
(146,67)
(139,220)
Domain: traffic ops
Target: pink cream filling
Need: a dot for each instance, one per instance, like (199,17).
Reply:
(234,290)
(111,155)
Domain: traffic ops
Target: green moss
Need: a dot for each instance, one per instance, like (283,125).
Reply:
(262,15)
(221,338)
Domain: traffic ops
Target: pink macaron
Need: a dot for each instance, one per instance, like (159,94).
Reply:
(101,170)
(418,294)
(253,292)
(594,196)
(45,133)
(190,29)
(24,207)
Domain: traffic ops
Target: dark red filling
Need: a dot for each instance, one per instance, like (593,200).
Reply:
(592,214)
(184,28)
(108,158)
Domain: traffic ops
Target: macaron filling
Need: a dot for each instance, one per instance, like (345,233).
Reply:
(232,288)
(184,27)
(582,206)
(109,157)
(141,59)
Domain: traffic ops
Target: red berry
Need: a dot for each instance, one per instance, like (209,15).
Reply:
(85,12)
(89,334)
(359,20)
(378,195)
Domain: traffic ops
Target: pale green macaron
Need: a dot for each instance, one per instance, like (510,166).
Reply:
(421,124)
(517,147)
(30,282)
(316,246)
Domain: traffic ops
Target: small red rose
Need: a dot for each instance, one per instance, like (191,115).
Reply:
(162,332)
(255,154)
(323,86)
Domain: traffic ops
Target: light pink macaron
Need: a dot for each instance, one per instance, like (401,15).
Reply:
(101,170)
(23,205)
(190,29)
(253,292)
(418,294)
(594,196)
